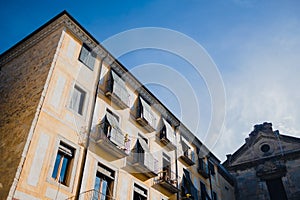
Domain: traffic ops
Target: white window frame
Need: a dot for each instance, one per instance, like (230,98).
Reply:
(85,101)
(74,163)
(142,186)
(90,56)
(95,169)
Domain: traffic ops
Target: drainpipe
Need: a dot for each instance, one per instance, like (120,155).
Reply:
(209,175)
(87,142)
(176,164)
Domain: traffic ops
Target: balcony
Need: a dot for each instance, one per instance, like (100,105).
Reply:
(168,181)
(144,116)
(187,156)
(115,89)
(167,136)
(111,139)
(141,161)
(203,168)
(165,140)
(144,163)
(91,195)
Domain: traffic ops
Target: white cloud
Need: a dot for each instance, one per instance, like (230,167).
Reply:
(264,87)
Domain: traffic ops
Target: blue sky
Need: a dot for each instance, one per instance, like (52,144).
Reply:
(255,45)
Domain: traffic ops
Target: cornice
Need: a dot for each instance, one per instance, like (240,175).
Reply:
(85,38)
(252,163)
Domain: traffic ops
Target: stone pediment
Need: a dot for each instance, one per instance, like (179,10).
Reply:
(263,143)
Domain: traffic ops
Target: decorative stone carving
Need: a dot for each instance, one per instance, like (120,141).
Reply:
(270,170)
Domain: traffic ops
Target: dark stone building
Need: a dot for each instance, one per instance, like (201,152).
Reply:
(267,166)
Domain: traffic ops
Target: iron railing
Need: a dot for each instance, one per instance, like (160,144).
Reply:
(188,153)
(147,160)
(203,168)
(92,195)
(168,177)
(104,131)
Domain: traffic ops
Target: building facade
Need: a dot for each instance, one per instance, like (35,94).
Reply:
(77,125)
(267,166)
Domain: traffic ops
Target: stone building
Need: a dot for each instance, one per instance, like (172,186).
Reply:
(75,124)
(267,166)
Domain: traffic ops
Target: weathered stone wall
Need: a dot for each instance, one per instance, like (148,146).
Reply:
(249,186)
(226,189)
(291,181)
(21,84)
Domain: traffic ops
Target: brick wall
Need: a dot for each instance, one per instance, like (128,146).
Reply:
(21,84)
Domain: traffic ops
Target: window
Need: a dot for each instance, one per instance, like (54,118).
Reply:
(201,164)
(144,113)
(167,132)
(215,196)
(187,188)
(141,149)
(203,191)
(103,188)
(143,156)
(87,57)
(77,100)
(211,168)
(63,162)
(187,151)
(139,193)
(166,167)
(111,129)
(117,88)
(265,148)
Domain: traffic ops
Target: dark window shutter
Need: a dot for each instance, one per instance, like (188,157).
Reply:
(90,62)
(211,168)
(84,53)
(87,56)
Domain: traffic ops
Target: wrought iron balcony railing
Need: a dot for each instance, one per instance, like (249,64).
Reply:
(188,156)
(145,163)
(111,139)
(168,180)
(92,195)
(203,168)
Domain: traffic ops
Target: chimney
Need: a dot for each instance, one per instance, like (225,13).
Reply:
(229,157)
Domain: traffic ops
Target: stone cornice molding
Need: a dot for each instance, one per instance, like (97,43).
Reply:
(271,170)
(252,163)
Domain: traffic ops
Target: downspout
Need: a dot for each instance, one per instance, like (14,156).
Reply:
(87,142)
(176,165)
(210,185)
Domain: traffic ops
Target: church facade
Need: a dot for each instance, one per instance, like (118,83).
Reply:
(267,166)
